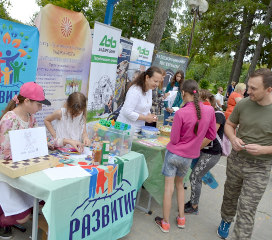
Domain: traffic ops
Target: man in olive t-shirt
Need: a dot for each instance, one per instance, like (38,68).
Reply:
(249,164)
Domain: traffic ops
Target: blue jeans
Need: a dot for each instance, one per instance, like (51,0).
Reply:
(175,165)
(167,115)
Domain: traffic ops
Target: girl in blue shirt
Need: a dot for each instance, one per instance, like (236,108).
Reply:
(175,84)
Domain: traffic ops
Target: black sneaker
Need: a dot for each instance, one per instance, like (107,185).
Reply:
(191,210)
(188,204)
(5,233)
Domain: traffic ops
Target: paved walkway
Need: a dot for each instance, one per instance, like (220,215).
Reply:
(200,227)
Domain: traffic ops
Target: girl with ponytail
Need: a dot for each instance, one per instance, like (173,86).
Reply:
(192,123)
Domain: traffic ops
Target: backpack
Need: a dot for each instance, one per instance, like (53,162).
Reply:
(225,142)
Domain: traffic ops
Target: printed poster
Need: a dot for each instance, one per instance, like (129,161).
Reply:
(122,75)
(28,143)
(171,63)
(19,46)
(141,57)
(106,40)
(64,55)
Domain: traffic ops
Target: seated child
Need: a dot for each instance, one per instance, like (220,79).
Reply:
(70,127)
(15,205)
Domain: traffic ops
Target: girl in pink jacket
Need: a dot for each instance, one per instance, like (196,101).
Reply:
(192,123)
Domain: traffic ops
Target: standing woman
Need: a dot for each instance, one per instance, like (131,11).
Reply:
(235,97)
(230,89)
(192,123)
(174,85)
(138,102)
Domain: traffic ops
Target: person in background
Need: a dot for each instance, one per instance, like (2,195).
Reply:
(136,74)
(70,128)
(209,156)
(230,89)
(219,98)
(207,98)
(174,85)
(192,123)
(160,87)
(249,164)
(234,98)
(138,101)
(160,93)
(157,100)
(15,205)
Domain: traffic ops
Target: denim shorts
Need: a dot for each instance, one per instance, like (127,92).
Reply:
(175,165)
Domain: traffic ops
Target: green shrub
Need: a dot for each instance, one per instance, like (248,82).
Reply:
(204,84)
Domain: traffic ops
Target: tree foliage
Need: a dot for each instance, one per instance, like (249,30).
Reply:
(4,5)
(74,5)
(217,38)
(134,17)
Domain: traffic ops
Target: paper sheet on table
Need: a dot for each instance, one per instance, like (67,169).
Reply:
(84,154)
(175,108)
(65,172)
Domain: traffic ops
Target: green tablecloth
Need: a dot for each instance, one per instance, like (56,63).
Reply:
(154,156)
(77,209)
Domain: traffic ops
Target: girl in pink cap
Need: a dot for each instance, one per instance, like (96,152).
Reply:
(15,205)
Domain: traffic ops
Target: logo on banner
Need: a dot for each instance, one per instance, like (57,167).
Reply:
(12,60)
(16,57)
(143,51)
(108,42)
(98,214)
(66,27)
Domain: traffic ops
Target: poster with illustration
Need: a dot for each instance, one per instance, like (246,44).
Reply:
(28,143)
(171,63)
(106,41)
(64,55)
(122,76)
(19,45)
(141,57)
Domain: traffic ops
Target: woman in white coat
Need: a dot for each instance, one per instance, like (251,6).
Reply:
(138,102)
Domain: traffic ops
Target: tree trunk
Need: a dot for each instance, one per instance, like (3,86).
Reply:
(159,21)
(243,47)
(258,49)
(238,46)
(131,19)
(191,59)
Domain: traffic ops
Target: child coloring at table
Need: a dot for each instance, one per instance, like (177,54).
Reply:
(70,127)
(192,123)
(15,205)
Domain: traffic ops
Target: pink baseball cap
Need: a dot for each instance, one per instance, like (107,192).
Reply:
(33,91)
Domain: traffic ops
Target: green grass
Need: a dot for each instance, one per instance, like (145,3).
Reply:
(91,115)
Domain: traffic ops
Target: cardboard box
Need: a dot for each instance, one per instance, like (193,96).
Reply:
(21,168)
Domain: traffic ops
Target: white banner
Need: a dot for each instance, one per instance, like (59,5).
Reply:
(141,57)
(64,55)
(106,41)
